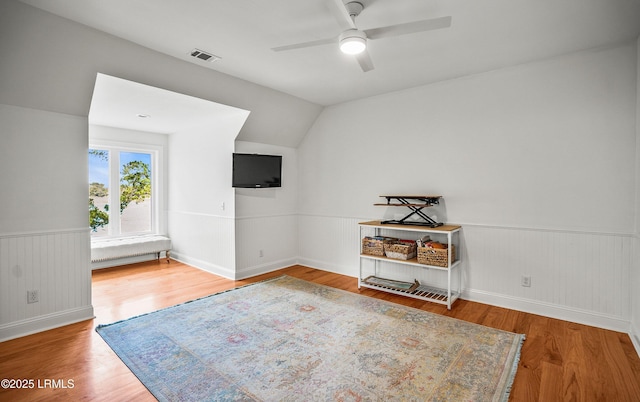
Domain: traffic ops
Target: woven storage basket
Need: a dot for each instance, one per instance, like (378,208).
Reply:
(400,250)
(375,245)
(435,256)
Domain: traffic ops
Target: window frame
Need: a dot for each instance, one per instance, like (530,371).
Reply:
(114,148)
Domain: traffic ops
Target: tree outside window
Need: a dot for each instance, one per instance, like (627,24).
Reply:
(133,172)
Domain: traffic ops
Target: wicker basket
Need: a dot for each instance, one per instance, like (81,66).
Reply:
(400,250)
(435,256)
(375,245)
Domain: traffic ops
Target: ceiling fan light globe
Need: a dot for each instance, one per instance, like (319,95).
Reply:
(353,45)
(353,42)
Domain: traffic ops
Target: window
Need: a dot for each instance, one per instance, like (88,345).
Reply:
(122,191)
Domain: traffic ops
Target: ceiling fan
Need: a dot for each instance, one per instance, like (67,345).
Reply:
(354,41)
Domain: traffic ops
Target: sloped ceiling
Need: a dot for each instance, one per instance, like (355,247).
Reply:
(484,35)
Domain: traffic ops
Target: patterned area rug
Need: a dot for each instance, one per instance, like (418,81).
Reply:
(288,339)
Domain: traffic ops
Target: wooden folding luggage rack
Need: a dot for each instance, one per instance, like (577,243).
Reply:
(415,203)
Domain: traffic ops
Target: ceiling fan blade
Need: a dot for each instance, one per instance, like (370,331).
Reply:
(302,45)
(365,61)
(408,28)
(341,14)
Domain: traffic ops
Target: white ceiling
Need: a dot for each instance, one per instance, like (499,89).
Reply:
(484,35)
(119,103)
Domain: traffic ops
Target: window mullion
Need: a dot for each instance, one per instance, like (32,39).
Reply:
(114,194)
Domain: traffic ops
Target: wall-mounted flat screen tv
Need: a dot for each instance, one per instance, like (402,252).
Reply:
(257,171)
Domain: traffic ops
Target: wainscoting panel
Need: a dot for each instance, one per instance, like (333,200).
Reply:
(265,243)
(204,241)
(56,265)
(634,286)
(579,271)
(576,276)
(330,243)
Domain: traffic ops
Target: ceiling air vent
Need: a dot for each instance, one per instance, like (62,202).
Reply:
(202,55)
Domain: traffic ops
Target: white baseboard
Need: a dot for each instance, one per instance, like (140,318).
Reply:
(265,268)
(324,266)
(548,310)
(634,334)
(45,322)
(231,274)
(205,266)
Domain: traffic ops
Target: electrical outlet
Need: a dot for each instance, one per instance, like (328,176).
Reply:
(32,296)
(525,281)
(261,253)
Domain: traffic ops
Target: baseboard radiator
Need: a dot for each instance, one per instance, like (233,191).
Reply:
(111,249)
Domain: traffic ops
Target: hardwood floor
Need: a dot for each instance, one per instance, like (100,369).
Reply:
(561,361)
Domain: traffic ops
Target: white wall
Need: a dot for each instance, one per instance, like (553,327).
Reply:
(266,218)
(201,199)
(635,273)
(44,228)
(43,170)
(544,145)
(535,161)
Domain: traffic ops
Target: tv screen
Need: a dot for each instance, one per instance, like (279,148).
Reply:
(256,171)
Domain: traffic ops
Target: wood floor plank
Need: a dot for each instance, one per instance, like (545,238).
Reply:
(600,379)
(618,365)
(550,386)
(560,361)
(574,378)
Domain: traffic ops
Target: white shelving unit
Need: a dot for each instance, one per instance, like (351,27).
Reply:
(429,293)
